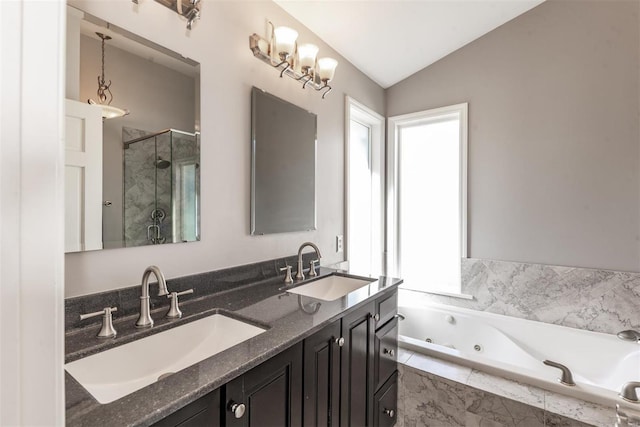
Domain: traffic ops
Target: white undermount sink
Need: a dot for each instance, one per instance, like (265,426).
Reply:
(330,288)
(122,370)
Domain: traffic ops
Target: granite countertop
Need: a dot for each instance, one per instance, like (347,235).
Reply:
(265,303)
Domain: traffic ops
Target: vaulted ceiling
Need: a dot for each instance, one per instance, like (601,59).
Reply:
(389,40)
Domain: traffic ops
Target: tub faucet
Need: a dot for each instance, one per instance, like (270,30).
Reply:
(145,320)
(628,392)
(566,378)
(629,335)
(300,274)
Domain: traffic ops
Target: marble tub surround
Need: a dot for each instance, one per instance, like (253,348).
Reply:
(435,392)
(263,302)
(596,300)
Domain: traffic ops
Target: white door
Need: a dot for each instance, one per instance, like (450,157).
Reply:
(83,177)
(364,188)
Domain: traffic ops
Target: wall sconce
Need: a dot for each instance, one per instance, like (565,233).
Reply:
(298,61)
(188,9)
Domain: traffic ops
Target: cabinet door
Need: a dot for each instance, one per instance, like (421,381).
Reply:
(271,393)
(385,403)
(357,368)
(321,403)
(204,412)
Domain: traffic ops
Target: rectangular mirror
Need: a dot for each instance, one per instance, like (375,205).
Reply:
(131,179)
(283,165)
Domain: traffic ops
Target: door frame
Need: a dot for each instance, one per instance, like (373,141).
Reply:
(357,111)
(32,76)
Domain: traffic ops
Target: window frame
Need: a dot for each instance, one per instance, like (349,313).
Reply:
(394,126)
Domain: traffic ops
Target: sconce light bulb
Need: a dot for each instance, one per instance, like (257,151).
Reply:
(307,56)
(327,69)
(285,41)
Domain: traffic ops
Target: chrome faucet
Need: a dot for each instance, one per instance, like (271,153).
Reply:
(145,320)
(566,378)
(300,274)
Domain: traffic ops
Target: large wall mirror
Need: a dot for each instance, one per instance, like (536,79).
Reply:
(130,180)
(283,165)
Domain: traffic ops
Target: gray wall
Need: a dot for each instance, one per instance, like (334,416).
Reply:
(157,97)
(553,133)
(220,42)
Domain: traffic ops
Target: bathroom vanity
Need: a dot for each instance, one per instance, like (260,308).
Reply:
(318,362)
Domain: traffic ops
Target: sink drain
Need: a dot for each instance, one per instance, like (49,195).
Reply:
(429,340)
(477,347)
(165,375)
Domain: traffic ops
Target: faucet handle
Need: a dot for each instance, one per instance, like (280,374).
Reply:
(107,330)
(312,268)
(629,335)
(287,278)
(628,392)
(174,311)
(566,378)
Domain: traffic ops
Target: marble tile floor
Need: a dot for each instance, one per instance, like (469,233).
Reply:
(438,393)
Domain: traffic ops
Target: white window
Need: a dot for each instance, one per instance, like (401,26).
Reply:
(364,189)
(427,195)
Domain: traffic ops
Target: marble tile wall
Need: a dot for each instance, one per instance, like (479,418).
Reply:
(437,393)
(596,300)
(139,186)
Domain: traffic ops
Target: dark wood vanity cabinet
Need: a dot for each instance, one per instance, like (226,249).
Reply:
(356,379)
(268,395)
(343,375)
(385,352)
(385,402)
(321,401)
(349,365)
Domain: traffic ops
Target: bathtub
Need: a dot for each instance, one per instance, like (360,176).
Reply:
(515,348)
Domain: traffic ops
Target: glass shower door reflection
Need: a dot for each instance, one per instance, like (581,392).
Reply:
(161,184)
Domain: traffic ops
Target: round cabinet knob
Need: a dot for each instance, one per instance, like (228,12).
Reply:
(238,409)
(340,341)
(376,317)
(389,412)
(389,352)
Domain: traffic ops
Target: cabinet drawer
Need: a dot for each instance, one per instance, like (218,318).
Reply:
(386,352)
(385,403)
(386,308)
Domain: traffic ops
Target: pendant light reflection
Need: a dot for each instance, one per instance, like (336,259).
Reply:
(104,91)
